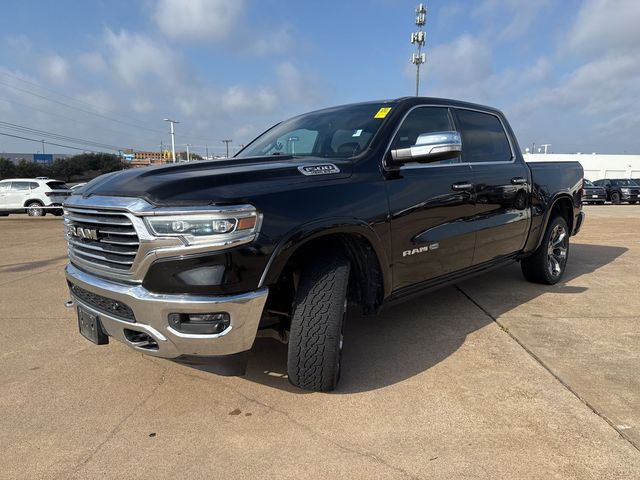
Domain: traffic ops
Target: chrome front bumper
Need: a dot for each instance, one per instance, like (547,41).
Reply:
(151,313)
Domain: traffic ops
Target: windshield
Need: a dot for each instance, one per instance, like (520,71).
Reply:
(335,132)
(588,183)
(624,183)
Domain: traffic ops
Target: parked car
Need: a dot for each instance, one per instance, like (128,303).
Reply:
(366,203)
(77,188)
(36,196)
(593,194)
(620,190)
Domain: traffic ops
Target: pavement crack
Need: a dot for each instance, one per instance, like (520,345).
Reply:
(544,365)
(315,433)
(114,431)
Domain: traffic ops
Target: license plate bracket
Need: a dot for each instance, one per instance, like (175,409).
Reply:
(91,328)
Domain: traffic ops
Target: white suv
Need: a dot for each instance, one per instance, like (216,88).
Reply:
(36,196)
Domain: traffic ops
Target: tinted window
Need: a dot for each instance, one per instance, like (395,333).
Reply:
(57,185)
(20,185)
(588,183)
(623,183)
(4,186)
(33,185)
(423,120)
(483,138)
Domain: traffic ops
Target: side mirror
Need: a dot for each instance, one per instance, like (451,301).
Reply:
(430,147)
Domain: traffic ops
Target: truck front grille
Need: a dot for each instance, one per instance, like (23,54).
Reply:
(103,304)
(101,238)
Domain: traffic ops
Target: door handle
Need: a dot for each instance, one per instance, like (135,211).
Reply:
(518,181)
(462,186)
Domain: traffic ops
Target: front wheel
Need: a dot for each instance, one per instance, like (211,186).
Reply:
(316,336)
(548,263)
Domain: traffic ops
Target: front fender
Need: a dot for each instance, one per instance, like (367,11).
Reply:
(298,237)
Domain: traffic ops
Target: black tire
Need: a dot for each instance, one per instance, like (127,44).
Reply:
(549,261)
(34,209)
(315,339)
(615,198)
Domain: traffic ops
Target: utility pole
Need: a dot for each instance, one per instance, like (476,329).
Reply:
(207,150)
(188,156)
(43,147)
(161,152)
(418,38)
(227,142)
(173,138)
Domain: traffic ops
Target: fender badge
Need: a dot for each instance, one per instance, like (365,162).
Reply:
(324,169)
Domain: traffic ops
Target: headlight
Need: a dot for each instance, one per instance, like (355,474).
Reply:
(625,190)
(201,228)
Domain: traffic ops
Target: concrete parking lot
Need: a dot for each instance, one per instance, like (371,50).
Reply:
(492,378)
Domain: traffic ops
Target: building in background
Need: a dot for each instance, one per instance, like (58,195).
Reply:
(596,166)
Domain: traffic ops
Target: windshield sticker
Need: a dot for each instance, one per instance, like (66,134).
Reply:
(324,169)
(383,112)
(357,133)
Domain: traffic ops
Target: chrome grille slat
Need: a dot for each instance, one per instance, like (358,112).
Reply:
(96,246)
(103,239)
(99,221)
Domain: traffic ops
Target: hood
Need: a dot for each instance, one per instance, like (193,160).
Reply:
(215,181)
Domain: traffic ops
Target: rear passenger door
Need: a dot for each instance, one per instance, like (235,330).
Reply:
(4,193)
(502,185)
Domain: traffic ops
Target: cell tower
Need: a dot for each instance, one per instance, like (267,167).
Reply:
(418,38)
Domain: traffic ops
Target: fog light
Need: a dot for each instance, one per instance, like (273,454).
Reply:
(200,323)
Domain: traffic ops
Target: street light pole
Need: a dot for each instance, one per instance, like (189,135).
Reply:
(173,138)
(227,142)
(43,147)
(188,155)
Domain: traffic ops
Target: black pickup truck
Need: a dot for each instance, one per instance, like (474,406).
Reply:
(362,204)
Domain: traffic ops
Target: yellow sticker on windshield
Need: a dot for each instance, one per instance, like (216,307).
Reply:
(383,112)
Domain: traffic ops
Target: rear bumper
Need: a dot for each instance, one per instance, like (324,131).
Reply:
(151,311)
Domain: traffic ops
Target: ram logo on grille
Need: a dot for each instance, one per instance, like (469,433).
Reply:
(86,233)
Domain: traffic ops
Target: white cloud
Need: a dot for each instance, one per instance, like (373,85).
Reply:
(197,20)
(136,58)
(511,18)
(56,69)
(93,62)
(606,25)
(238,98)
(277,40)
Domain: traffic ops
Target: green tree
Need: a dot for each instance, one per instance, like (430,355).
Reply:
(65,169)
(26,169)
(7,169)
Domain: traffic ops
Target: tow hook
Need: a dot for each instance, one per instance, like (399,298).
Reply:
(69,304)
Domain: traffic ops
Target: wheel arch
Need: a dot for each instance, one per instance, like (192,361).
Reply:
(561,204)
(33,200)
(355,239)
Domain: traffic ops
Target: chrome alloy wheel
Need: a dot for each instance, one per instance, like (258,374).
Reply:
(557,250)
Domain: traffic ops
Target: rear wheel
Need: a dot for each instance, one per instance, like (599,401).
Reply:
(548,263)
(615,198)
(34,209)
(316,336)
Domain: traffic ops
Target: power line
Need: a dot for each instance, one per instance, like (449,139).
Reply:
(76,120)
(23,90)
(57,136)
(50,143)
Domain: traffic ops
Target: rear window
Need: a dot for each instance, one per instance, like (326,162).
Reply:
(483,138)
(57,186)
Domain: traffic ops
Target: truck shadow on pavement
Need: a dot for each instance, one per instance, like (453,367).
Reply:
(408,338)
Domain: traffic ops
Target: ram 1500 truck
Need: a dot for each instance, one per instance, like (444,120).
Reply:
(362,204)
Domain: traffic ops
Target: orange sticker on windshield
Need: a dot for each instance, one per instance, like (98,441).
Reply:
(383,112)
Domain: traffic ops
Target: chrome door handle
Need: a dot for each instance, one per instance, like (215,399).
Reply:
(518,181)
(462,186)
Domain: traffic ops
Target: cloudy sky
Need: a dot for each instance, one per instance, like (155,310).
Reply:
(106,73)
